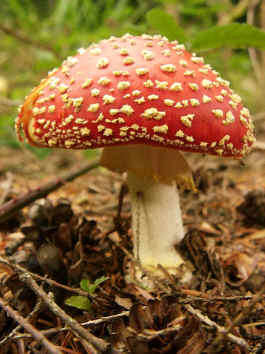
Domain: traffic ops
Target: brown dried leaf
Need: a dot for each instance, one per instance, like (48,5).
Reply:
(239,266)
(140,318)
(123,302)
(194,344)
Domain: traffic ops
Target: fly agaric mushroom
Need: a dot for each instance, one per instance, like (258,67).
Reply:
(143,99)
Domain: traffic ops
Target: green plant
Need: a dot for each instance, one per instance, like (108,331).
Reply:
(82,302)
(233,35)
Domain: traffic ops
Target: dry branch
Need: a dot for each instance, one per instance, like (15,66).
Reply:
(241,315)
(8,209)
(37,335)
(221,330)
(193,295)
(13,334)
(103,319)
(94,343)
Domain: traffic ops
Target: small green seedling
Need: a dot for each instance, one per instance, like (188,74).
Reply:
(82,302)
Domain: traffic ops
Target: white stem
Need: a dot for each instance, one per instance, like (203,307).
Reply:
(156,222)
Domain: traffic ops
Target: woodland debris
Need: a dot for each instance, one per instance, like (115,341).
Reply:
(202,317)
(37,335)
(92,341)
(8,209)
(128,317)
(253,207)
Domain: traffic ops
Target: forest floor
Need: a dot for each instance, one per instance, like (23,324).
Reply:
(77,233)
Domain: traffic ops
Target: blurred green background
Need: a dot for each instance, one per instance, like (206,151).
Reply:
(36,35)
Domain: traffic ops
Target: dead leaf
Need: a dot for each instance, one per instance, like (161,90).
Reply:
(123,302)
(239,266)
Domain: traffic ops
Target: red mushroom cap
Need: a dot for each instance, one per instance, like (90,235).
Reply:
(137,90)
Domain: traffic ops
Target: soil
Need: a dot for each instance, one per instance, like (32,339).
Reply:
(77,233)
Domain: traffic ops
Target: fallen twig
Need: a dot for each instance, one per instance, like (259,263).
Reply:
(13,334)
(194,295)
(221,330)
(106,319)
(50,347)
(51,331)
(201,297)
(52,282)
(94,343)
(240,317)
(8,209)
(149,335)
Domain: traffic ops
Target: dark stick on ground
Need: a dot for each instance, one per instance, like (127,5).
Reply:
(9,208)
(221,330)
(51,348)
(94,343)
(238,319)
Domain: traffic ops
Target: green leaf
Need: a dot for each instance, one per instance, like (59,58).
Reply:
(80,302)
(85,284)
(100,280)
(91,287)
(165,24)
(234,35)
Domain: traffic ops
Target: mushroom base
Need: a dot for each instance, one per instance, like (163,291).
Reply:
(156,222)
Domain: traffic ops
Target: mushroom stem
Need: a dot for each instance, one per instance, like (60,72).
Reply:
(156,222)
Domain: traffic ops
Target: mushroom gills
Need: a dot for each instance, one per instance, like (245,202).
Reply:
(161,164)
